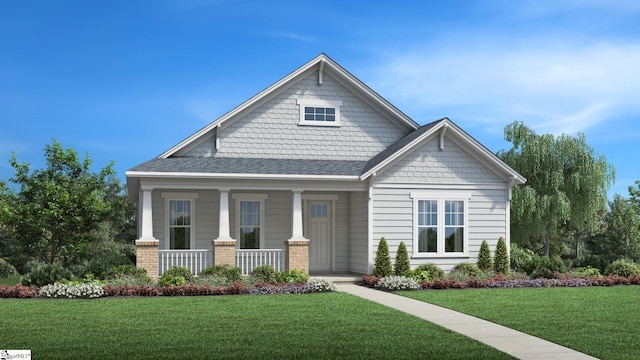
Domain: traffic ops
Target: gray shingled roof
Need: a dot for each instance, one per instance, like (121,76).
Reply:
(214,165)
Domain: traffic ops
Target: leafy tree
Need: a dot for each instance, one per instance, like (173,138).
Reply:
(54,209)
(567,182)
(485,262)
(621,239)
(402,264)
(383,260)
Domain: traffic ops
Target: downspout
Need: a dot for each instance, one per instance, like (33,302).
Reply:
(507,230)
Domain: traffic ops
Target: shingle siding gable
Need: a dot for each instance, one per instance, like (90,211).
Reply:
(429,164)
(272,130)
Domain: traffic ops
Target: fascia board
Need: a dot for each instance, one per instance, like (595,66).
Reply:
(145,174)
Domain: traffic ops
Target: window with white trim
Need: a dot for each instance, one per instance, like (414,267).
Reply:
(319,112)
(180,220)
(250,220)
(440,225)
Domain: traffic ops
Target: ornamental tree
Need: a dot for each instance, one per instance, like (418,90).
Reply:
(53,210)
(567,183)
(402,264)
(485,263)
(383,260)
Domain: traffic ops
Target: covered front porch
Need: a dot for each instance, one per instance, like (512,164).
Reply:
(307,229)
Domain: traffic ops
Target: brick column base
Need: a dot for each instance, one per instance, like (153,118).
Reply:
(224,252)
(297,255)
(147,257)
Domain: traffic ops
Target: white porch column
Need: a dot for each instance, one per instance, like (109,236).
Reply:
(223,232)
(296,230)
(147,215)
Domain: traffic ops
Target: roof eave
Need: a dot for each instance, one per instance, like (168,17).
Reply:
(197,175)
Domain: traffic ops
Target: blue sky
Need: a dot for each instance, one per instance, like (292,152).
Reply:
(126,80)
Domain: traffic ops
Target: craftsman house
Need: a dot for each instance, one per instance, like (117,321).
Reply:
(310,174)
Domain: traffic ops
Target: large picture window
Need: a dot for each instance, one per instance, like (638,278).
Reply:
(440,225)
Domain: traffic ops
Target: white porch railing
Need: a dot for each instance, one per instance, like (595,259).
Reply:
(247,260)
(194,260)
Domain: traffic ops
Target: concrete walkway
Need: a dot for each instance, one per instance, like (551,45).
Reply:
(512,342)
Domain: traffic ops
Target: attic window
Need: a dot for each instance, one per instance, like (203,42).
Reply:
(319,112)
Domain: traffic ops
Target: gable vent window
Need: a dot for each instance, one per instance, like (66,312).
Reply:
(319,112)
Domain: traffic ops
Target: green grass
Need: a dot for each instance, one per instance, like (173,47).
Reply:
(11,280)
(600,321)
(326,326)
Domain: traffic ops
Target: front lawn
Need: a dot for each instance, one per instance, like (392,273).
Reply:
(600,321)
(328,326)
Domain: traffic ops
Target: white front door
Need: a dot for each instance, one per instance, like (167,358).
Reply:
(319,233)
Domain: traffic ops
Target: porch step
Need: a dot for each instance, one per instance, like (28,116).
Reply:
(339,278)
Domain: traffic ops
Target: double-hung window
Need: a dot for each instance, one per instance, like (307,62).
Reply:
(440,224)
(250,220)
(319,112)
(180,220)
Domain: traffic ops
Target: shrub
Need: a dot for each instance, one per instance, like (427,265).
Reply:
(484,257)
(467,269)
(212,280)
(383,260)
(131,280)
(586,271)
(295,276)
(42,274)
(267,274)
(82,291)
(622,268)
(233,273)
(6,269)
(402,264)
(101,263)
(546,267)
(177,275)
(395,283)
(427,272)
(501,257)
(370,280)
(125,270)
(522,259)
(130,290)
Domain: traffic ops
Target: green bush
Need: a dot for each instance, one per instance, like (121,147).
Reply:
(173,276)
(622,267)
(233,273)
(586,271)
(402,264)
(382,266)
(99,264)
(267,273)
(295,276)
(547,266)
(42,274)
(467,269)
(6,269)
(122,270)
(523,259)
(428,272)
(501,257)
(484,257)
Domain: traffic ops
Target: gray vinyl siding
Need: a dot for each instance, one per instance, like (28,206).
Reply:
(272,130)
(429,164)
(393,219)
(359,233)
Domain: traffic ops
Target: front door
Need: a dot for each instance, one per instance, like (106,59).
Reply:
(319,233)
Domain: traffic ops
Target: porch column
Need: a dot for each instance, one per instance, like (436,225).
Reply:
(147,245)
(297,246)
(224,247)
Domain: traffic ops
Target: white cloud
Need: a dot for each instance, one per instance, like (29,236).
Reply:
(552,87)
